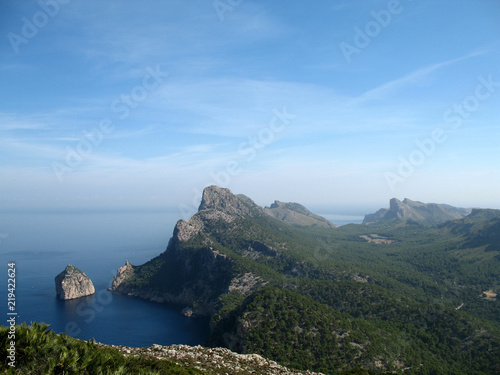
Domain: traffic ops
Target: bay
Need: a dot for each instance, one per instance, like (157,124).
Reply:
(42,243)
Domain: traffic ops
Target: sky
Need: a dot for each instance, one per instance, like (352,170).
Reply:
(140,105)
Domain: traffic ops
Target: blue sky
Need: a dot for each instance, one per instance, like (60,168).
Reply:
(344,103)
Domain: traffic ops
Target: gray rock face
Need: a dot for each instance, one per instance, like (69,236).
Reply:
(223,200)
(73,283)
(123,272)
(424,213)
(296,214)
(216,204)
(212,360)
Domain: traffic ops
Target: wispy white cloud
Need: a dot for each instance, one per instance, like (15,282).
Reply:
(392,87)
(118,40)
(22,151)
(12,121)
(234,107)
(226,80)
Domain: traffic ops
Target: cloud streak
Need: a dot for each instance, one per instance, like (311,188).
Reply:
(391,88)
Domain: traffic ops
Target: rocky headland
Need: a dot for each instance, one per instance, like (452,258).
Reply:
(206,272)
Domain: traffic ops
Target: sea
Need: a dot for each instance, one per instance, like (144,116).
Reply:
(39,245)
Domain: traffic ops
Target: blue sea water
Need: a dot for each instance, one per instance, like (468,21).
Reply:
(342,219)
(42,244)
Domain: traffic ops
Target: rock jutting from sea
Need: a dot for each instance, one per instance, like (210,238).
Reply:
(73,283)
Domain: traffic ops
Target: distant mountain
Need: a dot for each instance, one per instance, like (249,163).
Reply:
(423,213)
(480,228)
(479,214)
(296,214)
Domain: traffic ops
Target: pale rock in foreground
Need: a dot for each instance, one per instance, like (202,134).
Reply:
(73,283)
(213,361)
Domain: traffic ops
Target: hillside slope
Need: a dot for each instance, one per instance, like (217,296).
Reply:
(329,299)
(296,214)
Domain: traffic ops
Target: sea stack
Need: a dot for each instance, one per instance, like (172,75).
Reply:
(73,283)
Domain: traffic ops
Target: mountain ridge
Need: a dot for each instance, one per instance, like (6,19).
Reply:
(423,213)
(324,299)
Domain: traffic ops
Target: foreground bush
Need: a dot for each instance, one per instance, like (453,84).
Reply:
(42,351)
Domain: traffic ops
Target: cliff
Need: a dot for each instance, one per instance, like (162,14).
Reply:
(191,272)
(73,283)
(423,213)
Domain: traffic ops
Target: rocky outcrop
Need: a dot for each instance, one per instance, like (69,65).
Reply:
(423,213)
(73,283)
(296,214)
(223,200)
(217,204)
(212,360)
(123,273)
(246,283)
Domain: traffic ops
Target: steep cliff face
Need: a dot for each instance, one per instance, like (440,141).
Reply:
(222,200)
(424,213)
(193,279)
(123,273)
(191,271)
(73,283)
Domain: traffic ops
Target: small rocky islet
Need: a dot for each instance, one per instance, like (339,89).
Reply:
(73,283)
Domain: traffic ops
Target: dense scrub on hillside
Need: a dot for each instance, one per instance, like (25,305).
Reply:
(42,351)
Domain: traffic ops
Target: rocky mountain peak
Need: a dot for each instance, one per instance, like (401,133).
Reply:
(216,204)
(277,204)
(395,203)
(222,199)
(425,213)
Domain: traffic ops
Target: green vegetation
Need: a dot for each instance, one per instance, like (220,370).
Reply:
(301,333)
(331,300)
(41,351)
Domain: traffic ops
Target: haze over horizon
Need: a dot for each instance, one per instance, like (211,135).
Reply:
(121,105)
